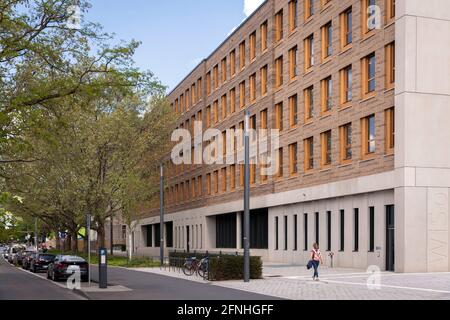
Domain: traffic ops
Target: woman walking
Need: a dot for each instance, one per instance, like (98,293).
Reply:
(316,259)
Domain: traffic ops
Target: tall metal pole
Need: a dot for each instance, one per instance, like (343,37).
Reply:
(88,237)
(111,234)
(247,200)
(161,205)
(36,234)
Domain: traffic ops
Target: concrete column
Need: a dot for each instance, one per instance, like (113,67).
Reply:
(422,135)
(239,227)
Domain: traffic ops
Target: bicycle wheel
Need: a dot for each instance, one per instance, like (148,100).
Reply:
(188,269)
(203,270)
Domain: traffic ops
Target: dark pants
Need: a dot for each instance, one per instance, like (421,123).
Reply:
(316,268)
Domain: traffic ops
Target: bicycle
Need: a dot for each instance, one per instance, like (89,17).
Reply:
(193,265)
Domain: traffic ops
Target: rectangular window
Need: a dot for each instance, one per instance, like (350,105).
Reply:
(279,26)
(224,70)
(293,159)
(293,62)
(309,52)
(327,95)
(199,89)
(279,116)
(182,103)
(208,117)
(356,230)
(242,55)
(317,225)
(263,116)
(292,15)
(263,30)
(390,65)
(224,179)
(233,63)
(253,88)
(216,76)
(342,231)
(232,101)
(309,103)
(295,232)
(194,94)
(293,111)
(279,72)
(280,163)
(390,130)
(368,75)
(309,154)
(346,77)
(241,175)
(216,182)
(224,106)
(200,186)
(208,83)
(264,80)
(327,41)
(252,40)
(276,233)
(329,228)
(305,232)
(346,28)
(216,111)
(368,9)
(309,9)
(188,99)
(242,95)
(372,229)
(285,233)
(208,184)
(390,11)
(326,149)
(346,143)
(368,135)
(193,188)
(232,177)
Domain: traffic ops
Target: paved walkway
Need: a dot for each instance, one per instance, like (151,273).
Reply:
(295,283)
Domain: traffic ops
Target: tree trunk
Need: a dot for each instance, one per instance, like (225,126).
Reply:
(58,242)
(68,243)
(74,242)
(85,245)
(100,237)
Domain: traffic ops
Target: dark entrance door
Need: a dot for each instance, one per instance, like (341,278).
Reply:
(390,238)
(188,237)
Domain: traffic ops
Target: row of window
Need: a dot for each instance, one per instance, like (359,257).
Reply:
(225,179)
(194,94)
(329,230)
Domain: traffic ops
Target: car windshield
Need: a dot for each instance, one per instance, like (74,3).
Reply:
(47,257)
(73,259)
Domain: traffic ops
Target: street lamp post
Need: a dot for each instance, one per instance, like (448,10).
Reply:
(161,205)
(247,199)
(36,238)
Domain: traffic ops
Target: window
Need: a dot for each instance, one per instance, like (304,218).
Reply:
(368,136)
(176,106)
(216,76)
(252,40)
(241,175)
(241,132)
(224,179)
(242,94)
(292,15)
(293,62)
(216,111)
(279,26)
(309,154)
(342,231)
(276,233)
(327,41)
(326,148)
(232,177)
(224,145)
(208,184)
(193,95)
(208,116)
(390,10)
(193,187)
(305,232)
(199,186)
(232,101)
(368,75)
(293,159)
(280,163)
(309,103)
(371,229)
(279,116)
(208,83)
(346,139)
(309,9)
(346,28)
(252,127)
(216,182)
(309,52)
(293,111)
(329,228)
(253,88)
(182,103)
(279,72)
(295,232)
(264,80)
(327,95)
(233,63)
(224,70)
(199,89)
(224,106)
(317,227)
(263,30)
(263,116)
(226,233)
(390,65)
(346,77)
(368,13)
(390,130)
(356,230)
(242,55)
(252,174)
(188,99)
(285,233)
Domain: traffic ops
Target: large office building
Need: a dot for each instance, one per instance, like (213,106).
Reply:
(360,92)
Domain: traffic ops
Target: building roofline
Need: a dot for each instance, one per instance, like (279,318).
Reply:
(240,26)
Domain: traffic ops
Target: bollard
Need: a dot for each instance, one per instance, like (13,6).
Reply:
(103,269)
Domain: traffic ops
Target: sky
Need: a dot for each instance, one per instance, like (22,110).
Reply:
(176,35)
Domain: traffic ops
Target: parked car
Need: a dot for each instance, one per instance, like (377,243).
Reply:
(65,266)
(18,259)
(26,260)
(13,251)
(41,261)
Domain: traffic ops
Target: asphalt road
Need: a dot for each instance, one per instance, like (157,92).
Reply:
(16,284)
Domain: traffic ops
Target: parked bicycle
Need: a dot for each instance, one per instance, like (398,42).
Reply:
(195,266)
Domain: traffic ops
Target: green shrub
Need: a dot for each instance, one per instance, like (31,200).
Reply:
(232,268)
